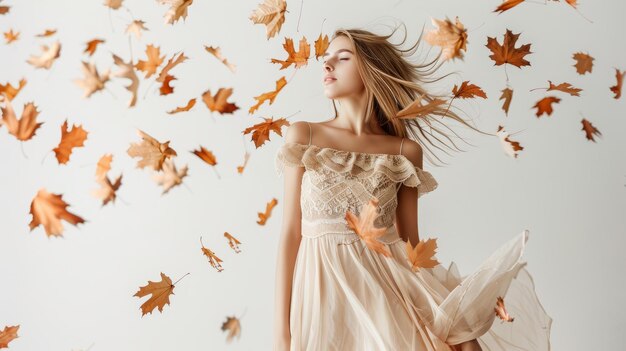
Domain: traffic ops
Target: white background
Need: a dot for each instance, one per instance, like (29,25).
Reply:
(72,292)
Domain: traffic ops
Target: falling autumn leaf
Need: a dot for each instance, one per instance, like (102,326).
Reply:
(416,108)
(233,326)
(269,96)
(11,36)
(47,57)
(507,95)
(545,105)
(191,103)
(590,130)
(564,87)
(10,92)
(49,209)
(451,37)
(217,52)
(69,140)
(107,189)
(363,226)
(584,63)
(261,131)
(7,335)
(218,102)
(507,5)
(271,13)
(154,61)
(212,257)
(501,311)
(152,152)
(617,88)
(127,70)
(421,256)
(321,44)
(47,33)
(92,45)
(171,63)
(466,91)
(136,27)
(93,80)
(233,242)
(113,4)
(4,9)
(178,9)
(507,52)
(264,216)
(298,58)
(160,292)
(165,88)
(170,177)
(511,148)
(25,128)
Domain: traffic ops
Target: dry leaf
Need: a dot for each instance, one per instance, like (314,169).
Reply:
(584,63)
(269,96)
(452,37)
(217,52)
(416,108)
(154,61)
(9,91)
(92,45)
(69,140)
(25,128)
(233,326)
(507,5)
(48,210)
(297,58)
(7,335)
(160,291)
(421,255)
(507,95)
(218,101)
(113,4)
(127,70)
(152,152)
(178,9)
(136,27)
(264,216)
(468,91)
(617,88)
(170,176)
(590,130)
(271,13)
(171,63)
(507,52)
(47,33)
(321,44)
(246,156)
(363,226)
(511,148)
(565,87)
(261,131)
(232,242)
(47,57)
(93,81)
(165,88)
(11,36)
(545,105)
(501,311)
(107,189)
(213,259)
(191,103)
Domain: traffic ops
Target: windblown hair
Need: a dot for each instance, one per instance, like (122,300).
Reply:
(393,82)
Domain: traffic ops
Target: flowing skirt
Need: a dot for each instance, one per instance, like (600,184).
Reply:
(346,297)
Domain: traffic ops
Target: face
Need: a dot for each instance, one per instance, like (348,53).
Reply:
(340,63)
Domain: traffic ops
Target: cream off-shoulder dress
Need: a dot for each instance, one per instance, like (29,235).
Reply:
(347,297)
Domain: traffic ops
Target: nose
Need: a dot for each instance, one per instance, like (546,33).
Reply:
(327,67)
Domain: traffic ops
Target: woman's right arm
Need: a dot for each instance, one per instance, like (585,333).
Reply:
(289,242)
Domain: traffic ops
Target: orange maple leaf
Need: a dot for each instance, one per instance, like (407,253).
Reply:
(264,216)
(297,58)
(507,52)
(191,103)
(321,44)
(545,105)
(421,255)
(11,36)
(271,13)
(93,80)
(233,326)
(232,242)
(47,57)
(7,335)
(136,27)
(584,63)
(363,226)
(165,88)
(107,189)
(452,37)
(261,131)
(178,9)
(218,101)
(10,92)
(113,4)
(69,140)
(160,291)
(48,210)
(170,175)
(152,152)
(154,61)
(507,5)
(269,96)
(589,129)
(127,70)
(92,45)
(468,91)
(501,311)
(25,128)
(171,63)
(565,87)
(213,259)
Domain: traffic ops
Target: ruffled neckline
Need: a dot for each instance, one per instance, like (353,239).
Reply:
(346,152)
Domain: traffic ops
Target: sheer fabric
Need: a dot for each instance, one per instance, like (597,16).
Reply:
(347,297)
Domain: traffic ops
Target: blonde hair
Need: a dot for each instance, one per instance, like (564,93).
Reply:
(392,82)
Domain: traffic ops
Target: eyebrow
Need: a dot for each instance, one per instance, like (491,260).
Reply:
(338,51)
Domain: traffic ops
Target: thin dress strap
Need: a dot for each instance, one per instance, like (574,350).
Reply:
(401,146)
(310,133)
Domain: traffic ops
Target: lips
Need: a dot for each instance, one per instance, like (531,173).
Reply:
(329,80)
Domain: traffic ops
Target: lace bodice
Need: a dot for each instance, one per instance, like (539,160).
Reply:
(336,181)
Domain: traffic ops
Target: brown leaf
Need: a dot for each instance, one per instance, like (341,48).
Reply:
(321,44)
(233,326)
(452,37)
(178,9)
(232,242)
(218,101)
(416,108)
(545,105)
(170,176)
(9,91)
(205,155)
(154,61)
(510,147)
(590,130)
(127,71)
(7,335)
(92,45)
(136,27)
(47,57)
(421,256)
(212,257)
(507,52)
(501,311)
(363,226)
(507,5)
(69,140)
(25,128)
(584,63)
(93,80)
(468,91)
(152,152)
(160,291)
(107,189)
(565,87)
(264,216)
(113,4)
(261,131)
(47,33)
(11,36)
(271,13)
(217,52)
(507,95)
(171,63)
(191,103)
(166,88)
(269,96)
(298,58)
(617,88)
(48,210)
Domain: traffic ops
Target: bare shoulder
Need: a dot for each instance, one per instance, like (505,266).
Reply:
(297,132)
(413,151)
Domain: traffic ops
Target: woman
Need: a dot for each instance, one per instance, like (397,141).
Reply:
(335,293)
